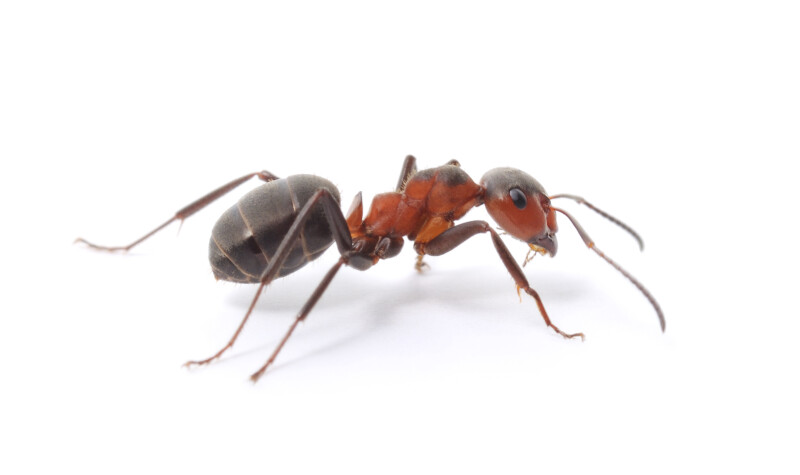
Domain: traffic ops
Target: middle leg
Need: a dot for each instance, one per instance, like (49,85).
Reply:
(321,287)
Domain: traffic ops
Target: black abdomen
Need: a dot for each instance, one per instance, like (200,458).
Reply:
(247,235)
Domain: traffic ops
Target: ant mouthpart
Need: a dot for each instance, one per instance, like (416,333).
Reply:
(544,244)
(539,249)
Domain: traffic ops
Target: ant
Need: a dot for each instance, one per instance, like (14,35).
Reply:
(286,223)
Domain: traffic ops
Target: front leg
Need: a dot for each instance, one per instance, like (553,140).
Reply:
(455,236)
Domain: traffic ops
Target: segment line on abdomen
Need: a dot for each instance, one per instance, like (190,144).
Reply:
(250,229)
(222,251)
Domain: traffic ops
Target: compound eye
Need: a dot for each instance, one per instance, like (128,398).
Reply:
(518,198)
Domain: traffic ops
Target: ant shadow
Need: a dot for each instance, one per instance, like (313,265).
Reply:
(379,302)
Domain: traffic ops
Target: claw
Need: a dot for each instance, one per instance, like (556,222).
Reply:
(420,264)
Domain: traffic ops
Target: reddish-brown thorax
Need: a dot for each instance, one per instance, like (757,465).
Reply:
(426,206)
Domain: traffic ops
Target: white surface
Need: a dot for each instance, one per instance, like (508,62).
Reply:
(680,119)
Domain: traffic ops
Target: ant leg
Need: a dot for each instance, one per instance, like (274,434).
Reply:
(341,235)
(420,264)
(187,211)
(302,315)
(409,169)
(455,236)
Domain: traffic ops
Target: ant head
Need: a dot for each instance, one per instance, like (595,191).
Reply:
(519,204)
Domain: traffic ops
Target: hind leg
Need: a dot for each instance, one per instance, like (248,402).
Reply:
(187,210)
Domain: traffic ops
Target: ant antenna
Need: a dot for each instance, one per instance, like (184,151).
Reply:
(590,244)
(602,213)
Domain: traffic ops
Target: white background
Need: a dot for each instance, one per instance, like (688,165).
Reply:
(681,118)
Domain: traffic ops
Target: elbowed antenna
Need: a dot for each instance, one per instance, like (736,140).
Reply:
(602,213)
(590,244)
